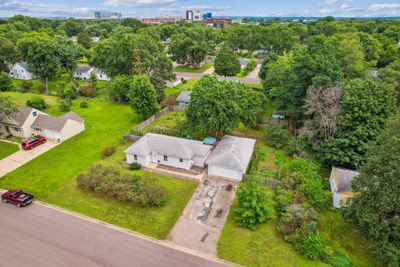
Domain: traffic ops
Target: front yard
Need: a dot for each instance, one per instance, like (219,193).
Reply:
(51,176)
(7,149)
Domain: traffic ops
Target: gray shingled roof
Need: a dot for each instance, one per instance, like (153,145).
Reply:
(83,68)
(168,146)
(19,117)
(184,96)
(54,123)
(344,178)
(232,152)
(23,64)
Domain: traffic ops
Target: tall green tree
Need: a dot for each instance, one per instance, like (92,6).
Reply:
(365,107)
(7,106)
(83,39)
(40,53)
(69,54)
(8,54)
(142,96)
(221,106)
(375,210)
(227,63)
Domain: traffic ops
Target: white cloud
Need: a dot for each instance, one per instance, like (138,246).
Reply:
(40,9)
(137,3)
(379,7)
(331,2)
(345,8)
(325,11)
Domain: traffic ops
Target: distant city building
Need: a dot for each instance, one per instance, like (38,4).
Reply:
(207,16)
(214,21)
(107,15)
(189,15)
(152,21)
(197,16)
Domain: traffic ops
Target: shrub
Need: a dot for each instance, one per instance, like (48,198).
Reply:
(251,65)
(257,158)
(108,151)
(69,92)
(26,86)
(277,137)
(88,91)
(64,105)
(5,82)
(338,259)
(255,205)
(135,166)
(311,245)
(84,104)
(37,102)
(298,147)
(142,191)
(42,88)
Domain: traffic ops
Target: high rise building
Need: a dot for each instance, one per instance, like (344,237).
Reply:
(197,16)
(189,15)
(107,15)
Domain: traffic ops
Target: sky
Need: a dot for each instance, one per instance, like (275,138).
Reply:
(151,8)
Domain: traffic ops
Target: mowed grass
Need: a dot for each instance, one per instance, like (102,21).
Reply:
(7,149)
(52,176)
(194,69)
(21,98)
(187,86)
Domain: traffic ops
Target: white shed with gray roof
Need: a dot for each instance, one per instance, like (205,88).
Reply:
(231,157)
(183,99)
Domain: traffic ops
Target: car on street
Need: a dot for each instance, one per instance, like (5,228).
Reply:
(33,142)
(17,197)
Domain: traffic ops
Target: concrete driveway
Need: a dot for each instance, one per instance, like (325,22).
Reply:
(19,158)
(42,236)
(200,225)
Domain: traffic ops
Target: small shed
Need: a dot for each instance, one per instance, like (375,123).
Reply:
(278,115)
(183,99)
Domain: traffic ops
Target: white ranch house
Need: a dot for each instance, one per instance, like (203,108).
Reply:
(20,71)
(228,159)
(340,181)
(85,71)
(28,121)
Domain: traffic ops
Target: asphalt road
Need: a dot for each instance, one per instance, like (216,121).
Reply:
(39,236)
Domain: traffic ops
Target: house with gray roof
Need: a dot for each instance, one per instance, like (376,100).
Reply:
(167,150)
(85,71)
(183,99)
(28,121)
(231,157)
(340,181)
(20,71)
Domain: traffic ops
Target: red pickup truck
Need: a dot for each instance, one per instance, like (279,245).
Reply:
(33,142)
(18,197)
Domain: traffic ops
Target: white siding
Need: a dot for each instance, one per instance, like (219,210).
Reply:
(83,75)
(173,162)
(18,72)
(144,161)
(214,170)
(72,128)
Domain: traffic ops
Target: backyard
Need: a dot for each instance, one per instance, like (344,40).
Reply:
(51,176)
(7,149)
(187,86)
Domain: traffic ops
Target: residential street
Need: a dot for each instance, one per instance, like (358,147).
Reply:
(40,236)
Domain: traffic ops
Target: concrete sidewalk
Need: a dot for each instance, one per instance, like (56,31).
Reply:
(19,158)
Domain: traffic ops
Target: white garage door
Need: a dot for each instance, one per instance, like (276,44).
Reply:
(224,172)
(53,135)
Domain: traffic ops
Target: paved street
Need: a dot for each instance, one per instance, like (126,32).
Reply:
(40,236)
(21,157)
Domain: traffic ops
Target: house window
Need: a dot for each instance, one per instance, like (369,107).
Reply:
(37,129)
(34,114)
(180,159)
(135,157)
(165,158)
(16,129)
(8,118)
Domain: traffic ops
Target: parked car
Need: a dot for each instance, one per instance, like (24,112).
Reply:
(33,142)
(18,197)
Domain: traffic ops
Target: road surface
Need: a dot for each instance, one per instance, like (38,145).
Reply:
(40,236)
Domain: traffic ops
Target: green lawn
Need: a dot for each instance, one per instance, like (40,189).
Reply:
(167,121)
(194,69)
(187,86)
(7,149)
(51,176)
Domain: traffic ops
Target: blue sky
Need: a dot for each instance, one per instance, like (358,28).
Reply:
(148,8)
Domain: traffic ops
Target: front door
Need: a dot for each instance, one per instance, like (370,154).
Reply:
(154,157)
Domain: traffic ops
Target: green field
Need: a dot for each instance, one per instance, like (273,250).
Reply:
(194,69)
(187,86)
(7,149)
(51,176)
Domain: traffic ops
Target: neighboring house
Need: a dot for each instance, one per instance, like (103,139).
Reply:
(340,181)
(166,150)
(85,71)
(261,53)
(278,115)
(20,71)
(183,99)
(28,121)
(243,62)
(231,157)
